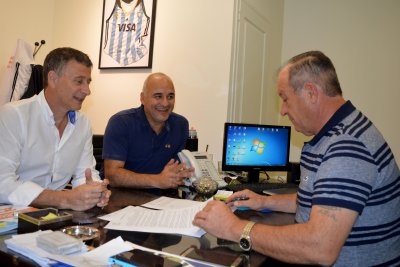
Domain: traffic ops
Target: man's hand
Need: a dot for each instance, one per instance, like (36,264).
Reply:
(173,174)
(251,200)
(284,203)
(105,194)
(90,194)
(217,219)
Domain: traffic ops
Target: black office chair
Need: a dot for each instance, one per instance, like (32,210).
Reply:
(98,150)
(97,142)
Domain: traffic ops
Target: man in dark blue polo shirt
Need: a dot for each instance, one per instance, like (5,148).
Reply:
(141,144)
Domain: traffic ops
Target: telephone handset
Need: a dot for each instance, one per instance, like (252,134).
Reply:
(188,158)
(202,164)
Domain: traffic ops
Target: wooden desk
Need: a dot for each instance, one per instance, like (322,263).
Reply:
(207,245)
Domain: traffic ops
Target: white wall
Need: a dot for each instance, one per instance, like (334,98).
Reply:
(362,38)
(192,44)
(31,21)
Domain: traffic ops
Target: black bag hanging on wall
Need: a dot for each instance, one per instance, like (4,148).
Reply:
(35,84)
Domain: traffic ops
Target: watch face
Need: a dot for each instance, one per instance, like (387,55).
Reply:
(244,244)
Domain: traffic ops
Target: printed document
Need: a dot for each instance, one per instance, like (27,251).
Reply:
(163,215)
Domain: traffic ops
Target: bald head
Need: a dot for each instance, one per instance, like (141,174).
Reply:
(156,78)
(158,99)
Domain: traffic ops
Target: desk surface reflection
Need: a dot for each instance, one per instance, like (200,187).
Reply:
(207,246)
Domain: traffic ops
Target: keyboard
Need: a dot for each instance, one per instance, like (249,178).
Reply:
(260,187)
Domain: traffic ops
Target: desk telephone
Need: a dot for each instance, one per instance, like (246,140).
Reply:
(203,166)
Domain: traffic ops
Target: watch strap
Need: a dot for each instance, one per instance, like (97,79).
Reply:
(246,234)
(247,228)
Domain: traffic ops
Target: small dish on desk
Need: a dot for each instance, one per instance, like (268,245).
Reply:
(205,186)
(80,232)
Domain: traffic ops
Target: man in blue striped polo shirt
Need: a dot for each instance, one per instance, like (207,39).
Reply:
(348,203)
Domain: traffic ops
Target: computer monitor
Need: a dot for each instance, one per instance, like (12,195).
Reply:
(254,148)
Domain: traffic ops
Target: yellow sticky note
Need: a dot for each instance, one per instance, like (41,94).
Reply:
(222,195)
(49,216)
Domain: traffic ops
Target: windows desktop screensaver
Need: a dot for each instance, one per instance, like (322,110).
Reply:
(256,146)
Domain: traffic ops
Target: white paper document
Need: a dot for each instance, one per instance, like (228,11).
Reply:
(164,215)
(163,203)
(26,245)
(99,256)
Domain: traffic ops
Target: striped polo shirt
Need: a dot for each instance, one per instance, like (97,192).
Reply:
(348,164)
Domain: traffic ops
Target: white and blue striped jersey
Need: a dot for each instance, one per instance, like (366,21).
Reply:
(126,29)
(348,164)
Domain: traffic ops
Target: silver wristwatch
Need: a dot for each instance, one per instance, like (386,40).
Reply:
(245,241)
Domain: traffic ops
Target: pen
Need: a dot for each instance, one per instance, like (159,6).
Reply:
(239,199)
(247,208)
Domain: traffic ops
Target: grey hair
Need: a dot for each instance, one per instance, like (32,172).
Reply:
(316,67)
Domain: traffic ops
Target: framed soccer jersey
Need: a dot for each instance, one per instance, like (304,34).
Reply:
(127,34)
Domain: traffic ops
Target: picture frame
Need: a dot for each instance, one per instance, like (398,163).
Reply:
(127,34)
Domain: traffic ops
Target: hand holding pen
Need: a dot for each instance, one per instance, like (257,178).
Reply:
(240,198)
(246,199)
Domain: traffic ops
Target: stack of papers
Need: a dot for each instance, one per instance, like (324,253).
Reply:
(26,245)
(163,215)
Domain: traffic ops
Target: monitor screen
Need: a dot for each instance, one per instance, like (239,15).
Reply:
(255,147)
